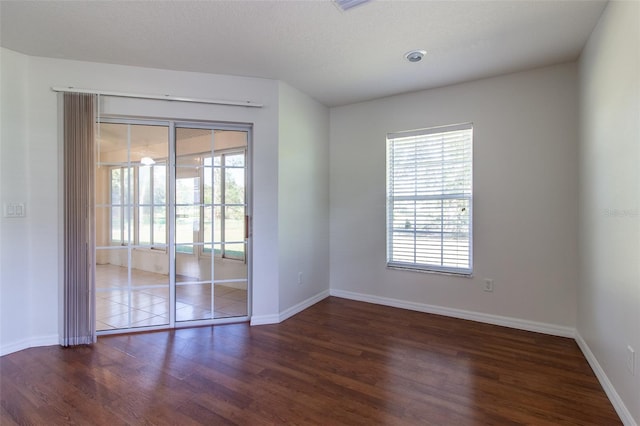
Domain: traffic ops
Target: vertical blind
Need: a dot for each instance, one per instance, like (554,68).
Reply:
(79,219)
(429,199)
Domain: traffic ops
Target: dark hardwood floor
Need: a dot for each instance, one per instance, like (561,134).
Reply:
(338,362)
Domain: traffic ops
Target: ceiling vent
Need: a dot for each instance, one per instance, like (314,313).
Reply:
(345,5)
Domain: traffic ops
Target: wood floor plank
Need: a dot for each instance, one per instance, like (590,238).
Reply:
(339,362)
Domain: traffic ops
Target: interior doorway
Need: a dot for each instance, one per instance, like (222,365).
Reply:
(172,216)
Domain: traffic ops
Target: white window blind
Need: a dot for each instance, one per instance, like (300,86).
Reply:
(429,199)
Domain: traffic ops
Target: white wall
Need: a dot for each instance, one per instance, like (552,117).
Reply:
(525,189)
(303,197)
(609,286)
(15,269)
(30,173)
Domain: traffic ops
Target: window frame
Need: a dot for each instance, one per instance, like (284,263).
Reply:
(466,195)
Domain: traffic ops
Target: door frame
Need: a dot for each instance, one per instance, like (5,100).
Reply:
(173,125)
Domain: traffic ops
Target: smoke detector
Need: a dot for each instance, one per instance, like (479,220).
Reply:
(415,55)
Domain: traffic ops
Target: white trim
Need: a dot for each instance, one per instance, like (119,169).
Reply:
(606,384)
(430,130)
(32,342)
(71,89)
(288,313)
(539,327)
(265,319)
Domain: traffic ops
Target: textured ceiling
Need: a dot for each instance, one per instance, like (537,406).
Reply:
(337,57)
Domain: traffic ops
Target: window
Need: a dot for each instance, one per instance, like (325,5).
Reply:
(429,199)
(188,206)
(230,175)
(120,201)
(211,206)
(150,211)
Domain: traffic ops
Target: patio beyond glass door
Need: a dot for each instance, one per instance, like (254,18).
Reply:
(171,234)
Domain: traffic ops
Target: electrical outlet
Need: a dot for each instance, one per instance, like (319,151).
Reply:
(631,360)
(299,278)
(488,285)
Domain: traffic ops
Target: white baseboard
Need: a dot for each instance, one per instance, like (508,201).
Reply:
(539,327)
(265,319)
(288,313)
(32,342)
(606,384)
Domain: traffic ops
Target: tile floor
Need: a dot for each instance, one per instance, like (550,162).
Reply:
(150,302)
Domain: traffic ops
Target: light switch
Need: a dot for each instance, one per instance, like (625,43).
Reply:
(14,210)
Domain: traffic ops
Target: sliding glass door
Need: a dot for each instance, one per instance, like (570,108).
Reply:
(171,224)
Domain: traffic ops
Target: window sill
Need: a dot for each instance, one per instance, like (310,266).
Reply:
(151,250)
(429,271)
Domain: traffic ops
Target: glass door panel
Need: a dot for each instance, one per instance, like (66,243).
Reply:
(132,262)
(193,272)
(217,199)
